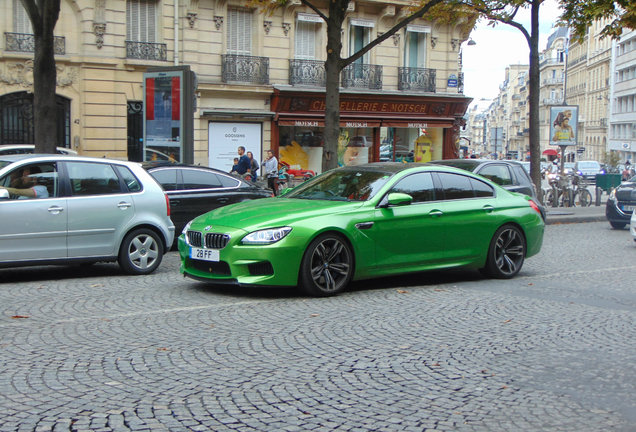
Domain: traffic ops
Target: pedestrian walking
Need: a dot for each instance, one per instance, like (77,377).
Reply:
(253,165)
(243,162)
(271,171)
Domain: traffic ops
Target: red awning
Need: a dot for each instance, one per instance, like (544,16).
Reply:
(550,152)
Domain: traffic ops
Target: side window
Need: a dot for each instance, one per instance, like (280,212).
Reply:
(228,181)
(456,186)
(167,178)
(200,179)
(522,176)
(32,181)
(497,173)
(89,178)
(419,186)
(132,182)
(482,189)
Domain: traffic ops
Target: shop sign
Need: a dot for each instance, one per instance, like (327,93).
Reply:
(307,123)
(381,107)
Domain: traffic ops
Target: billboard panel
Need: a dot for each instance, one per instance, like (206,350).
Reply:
(563,125)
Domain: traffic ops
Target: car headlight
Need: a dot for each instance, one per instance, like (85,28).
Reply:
(266,236)
(186,227)
(612,195)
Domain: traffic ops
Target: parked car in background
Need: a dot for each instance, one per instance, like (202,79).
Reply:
(508,174)
(9,149)
(621,204)
(364,221)
(59,209)
(588,169)
(194,189)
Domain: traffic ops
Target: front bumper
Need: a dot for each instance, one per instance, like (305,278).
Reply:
(242,265)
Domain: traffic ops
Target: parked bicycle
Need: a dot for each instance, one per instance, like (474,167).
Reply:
(579,187)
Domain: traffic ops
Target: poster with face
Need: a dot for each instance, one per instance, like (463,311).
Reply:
(563,125)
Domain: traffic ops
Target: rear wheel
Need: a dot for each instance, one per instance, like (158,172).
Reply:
(327,266)
(506,253)
(140,252)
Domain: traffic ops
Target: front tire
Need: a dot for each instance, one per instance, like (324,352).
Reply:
(585,198)
(618,225)
(327,266)
(140,252)
(506,253)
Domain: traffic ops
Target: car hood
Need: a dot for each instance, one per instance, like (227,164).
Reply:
(272,212)
(626,191)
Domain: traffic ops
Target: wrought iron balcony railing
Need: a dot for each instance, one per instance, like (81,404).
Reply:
(307,72)
(146,50)
(243,68)
(24,42)
(362,76)
(418,79)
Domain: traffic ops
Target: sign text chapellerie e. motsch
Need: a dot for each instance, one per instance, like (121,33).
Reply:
(383,107)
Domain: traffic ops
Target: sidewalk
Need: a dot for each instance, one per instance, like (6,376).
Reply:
(562,215)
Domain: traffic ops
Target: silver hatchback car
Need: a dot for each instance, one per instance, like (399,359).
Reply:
(59,209)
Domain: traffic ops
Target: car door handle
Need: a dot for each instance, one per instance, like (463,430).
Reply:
(223,200)
(435,213)
(55,209)
(124,205)
(488,208)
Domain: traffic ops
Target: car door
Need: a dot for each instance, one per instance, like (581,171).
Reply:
(34,228)
(470,216)
(413,234)
(99,210)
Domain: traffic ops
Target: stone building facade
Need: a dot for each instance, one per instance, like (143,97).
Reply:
(257,74)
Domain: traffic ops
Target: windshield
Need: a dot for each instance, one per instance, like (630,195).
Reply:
(588,165)
(4,163)
(344,184)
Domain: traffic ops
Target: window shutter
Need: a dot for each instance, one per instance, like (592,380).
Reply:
(239,33)
(305,40)
(21,21)
(141,19)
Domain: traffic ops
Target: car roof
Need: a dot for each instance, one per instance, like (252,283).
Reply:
(37,157)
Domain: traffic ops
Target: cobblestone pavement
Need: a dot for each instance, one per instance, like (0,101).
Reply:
(553,349)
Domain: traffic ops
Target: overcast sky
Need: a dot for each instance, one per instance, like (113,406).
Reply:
(485,63)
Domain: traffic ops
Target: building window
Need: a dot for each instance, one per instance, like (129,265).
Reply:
(21,21)
(16,119)
(359,36)
(305,43)
(239,31)
(141,20)
(415,49)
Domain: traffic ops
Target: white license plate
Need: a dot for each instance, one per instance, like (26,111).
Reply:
(204,254)
(628,208)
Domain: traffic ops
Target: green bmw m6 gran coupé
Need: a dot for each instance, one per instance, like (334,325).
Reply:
(364,221)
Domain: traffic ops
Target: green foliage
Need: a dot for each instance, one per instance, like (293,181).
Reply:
(579,14)
(611,159)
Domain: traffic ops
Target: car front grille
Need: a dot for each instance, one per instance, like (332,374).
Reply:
(212,240)
(216,241)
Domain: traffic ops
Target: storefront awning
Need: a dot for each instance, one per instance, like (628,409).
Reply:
(345,123)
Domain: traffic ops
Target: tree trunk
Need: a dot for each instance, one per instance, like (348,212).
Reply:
(535,147)
(333,66)
(44,16)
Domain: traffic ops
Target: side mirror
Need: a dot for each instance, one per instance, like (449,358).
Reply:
(399,199)
(4,194)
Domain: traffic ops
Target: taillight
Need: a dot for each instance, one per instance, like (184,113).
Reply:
(534,206)
(167,203)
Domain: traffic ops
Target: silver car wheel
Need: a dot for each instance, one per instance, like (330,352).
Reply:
(141,252)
